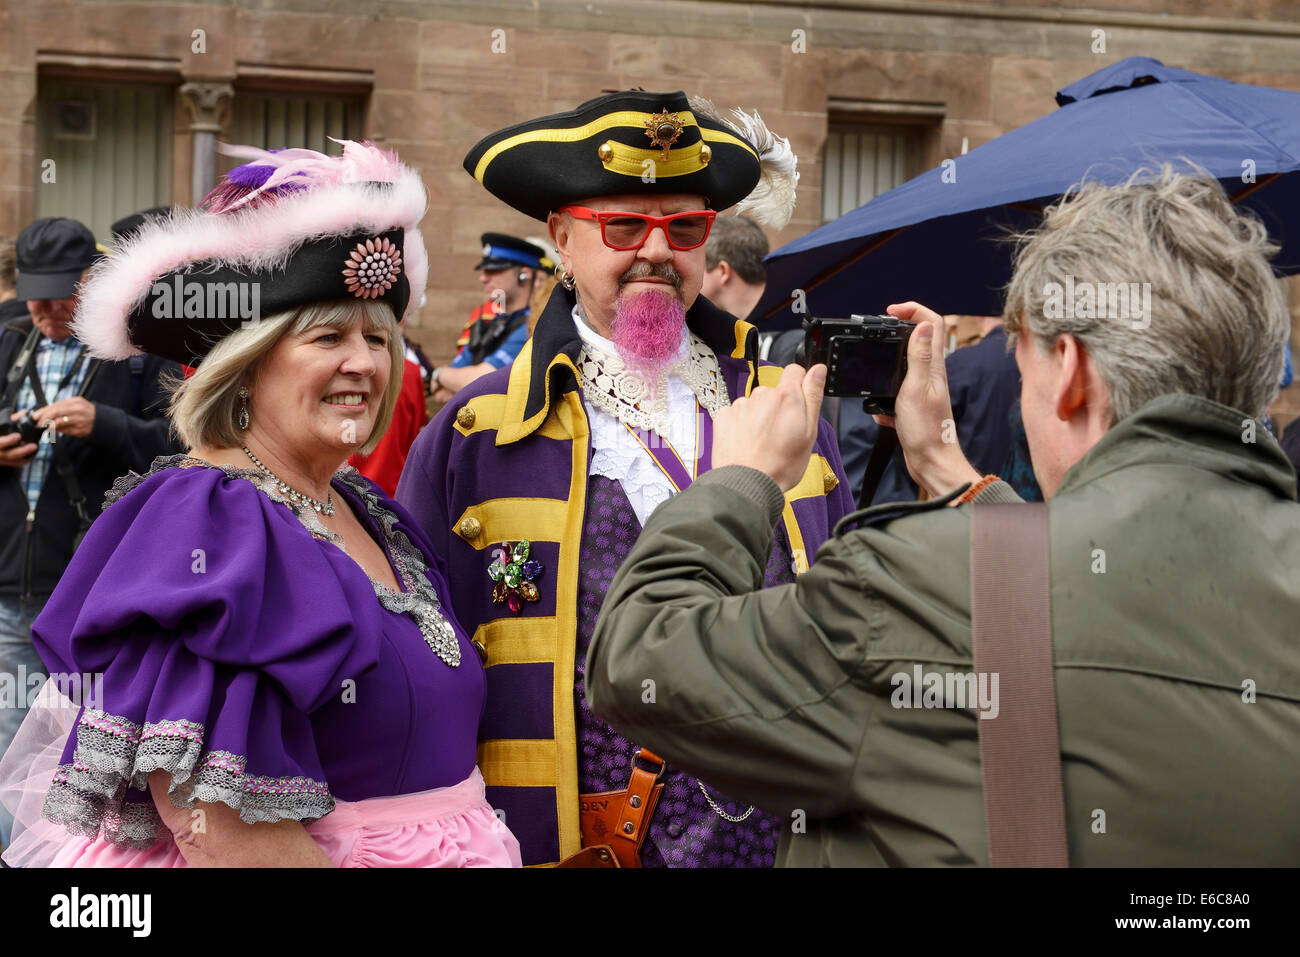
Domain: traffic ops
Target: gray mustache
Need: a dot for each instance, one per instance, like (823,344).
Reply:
(652,271)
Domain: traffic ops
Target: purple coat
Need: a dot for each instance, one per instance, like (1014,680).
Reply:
(506,460)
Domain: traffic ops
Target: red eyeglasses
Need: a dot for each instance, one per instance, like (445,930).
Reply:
(625,231)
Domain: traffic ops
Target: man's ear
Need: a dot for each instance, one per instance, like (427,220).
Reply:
(1073,368)
(558,225)
(724,271)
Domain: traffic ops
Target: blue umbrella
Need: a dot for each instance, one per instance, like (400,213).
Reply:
(937,237)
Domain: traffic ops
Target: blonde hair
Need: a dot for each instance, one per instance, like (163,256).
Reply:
(205,406)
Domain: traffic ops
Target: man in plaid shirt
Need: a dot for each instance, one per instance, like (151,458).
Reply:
(96,421)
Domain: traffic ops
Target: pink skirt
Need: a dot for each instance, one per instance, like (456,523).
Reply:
(445,827)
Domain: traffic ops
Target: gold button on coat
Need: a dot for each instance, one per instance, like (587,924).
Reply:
(469,528)
(465,417)
(829,481)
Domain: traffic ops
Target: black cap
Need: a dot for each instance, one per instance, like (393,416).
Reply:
(52,253)
(127,225)
(504,252)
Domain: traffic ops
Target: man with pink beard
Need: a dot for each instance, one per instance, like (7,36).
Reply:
(535,481)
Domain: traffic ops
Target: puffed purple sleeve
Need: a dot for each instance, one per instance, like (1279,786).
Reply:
(212,625)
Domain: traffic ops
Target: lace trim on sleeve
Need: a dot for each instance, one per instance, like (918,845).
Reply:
(125,483)
(114,756)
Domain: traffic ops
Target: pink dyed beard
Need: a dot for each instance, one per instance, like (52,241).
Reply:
(647,331)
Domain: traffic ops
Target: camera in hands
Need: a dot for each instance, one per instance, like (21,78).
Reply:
(26,426)
(865,356)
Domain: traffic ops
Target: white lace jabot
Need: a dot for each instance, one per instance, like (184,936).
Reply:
(616,395)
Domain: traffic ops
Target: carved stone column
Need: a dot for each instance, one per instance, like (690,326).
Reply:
(208,101)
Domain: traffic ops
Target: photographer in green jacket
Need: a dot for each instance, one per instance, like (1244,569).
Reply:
(1174,573)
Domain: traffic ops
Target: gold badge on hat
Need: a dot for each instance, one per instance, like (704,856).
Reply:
(664,129)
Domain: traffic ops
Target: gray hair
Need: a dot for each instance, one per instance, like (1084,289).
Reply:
(205,406)
(1217,317)
(740,243)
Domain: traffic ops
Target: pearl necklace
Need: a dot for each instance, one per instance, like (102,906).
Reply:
(325,508)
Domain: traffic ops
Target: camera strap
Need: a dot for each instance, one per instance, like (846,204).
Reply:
(38,390)
(14,378)
(1011,637)
(67,472)
(882,450)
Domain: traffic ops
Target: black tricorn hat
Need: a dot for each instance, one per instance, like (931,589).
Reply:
(630,142)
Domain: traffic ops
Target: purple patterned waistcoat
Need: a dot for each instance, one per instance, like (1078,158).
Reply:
(685,831)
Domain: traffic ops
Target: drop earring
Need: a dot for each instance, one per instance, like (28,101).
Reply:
(243,407)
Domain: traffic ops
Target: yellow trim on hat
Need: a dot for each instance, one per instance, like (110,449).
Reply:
(630,161)
(576,134)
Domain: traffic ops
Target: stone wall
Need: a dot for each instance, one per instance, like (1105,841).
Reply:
(441,76)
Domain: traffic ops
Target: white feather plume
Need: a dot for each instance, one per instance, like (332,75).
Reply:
(772,201)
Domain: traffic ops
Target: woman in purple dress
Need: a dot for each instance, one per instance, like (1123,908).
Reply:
(279,678)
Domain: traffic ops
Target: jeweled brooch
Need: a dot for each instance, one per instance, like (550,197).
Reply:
(372,268)
(664,129)
(514,575)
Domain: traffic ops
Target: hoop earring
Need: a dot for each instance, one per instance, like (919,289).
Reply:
(565,277)
(243,407)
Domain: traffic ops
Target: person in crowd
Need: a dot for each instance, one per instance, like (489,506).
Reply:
(1174,539)
(734,275)
(510,271)
(534,482)
(69,425)
(984,384)
(277,652)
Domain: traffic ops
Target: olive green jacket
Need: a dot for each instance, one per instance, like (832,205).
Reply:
(1175,570)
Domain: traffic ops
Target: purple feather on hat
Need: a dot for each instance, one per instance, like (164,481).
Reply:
(274,172)
(243,182)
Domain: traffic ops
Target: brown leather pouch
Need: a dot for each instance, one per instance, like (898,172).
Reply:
(602,856)
(615,823)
